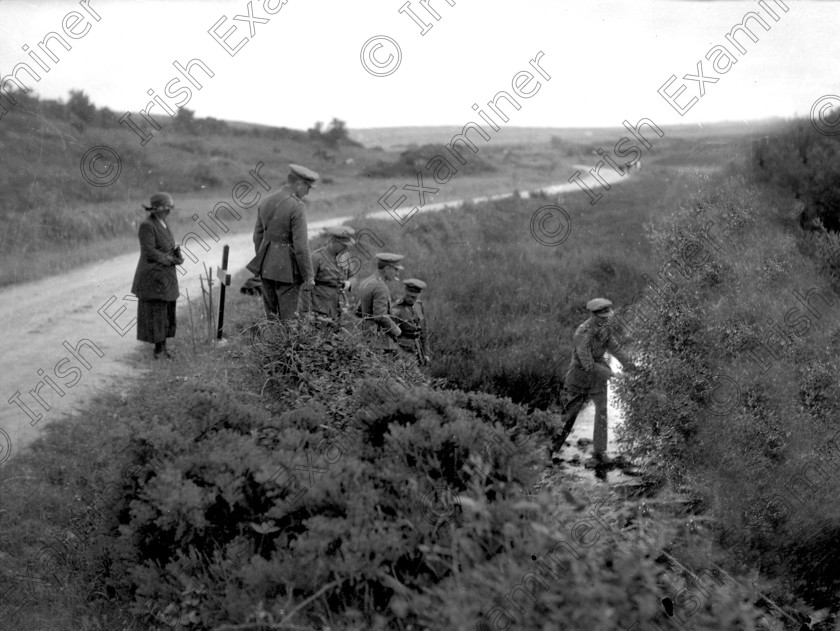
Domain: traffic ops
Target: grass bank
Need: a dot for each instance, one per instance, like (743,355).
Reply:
(294,480)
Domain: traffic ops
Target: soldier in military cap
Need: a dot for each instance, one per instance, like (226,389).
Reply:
(410,316)
(332,273)
(587,378)
(375,301)
(281,242)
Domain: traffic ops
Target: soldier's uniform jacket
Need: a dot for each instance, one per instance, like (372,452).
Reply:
(588,370)
(281,240)
(155,277)
(375,308)
(411,319)
(330,271)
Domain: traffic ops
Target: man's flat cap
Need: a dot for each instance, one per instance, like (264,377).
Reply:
(414,285)
(390,259)
(307,174)
(342,233)
(597,304)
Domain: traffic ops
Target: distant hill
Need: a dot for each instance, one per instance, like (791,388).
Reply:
(43,142)
(47,199)
(400,138)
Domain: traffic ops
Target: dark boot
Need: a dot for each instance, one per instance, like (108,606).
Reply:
(559,440)
(159,346)
(599,459)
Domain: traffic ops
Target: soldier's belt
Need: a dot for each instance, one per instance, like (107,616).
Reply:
(325,284)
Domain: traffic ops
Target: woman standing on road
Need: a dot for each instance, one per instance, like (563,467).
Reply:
(156,280)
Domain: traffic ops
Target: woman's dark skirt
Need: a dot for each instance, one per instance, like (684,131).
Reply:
(155,320)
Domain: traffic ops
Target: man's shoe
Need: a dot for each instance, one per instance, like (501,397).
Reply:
(556,457)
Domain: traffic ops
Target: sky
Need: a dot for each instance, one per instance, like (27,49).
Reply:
(605,61)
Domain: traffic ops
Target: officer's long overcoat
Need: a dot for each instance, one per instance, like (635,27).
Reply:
(281,240)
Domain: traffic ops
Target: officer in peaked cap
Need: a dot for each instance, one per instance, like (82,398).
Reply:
(375,302)
(386,259)
(343,233)
(410,315)
(282,258)
(587,378)
(599,306)
(332,272)
(305,174)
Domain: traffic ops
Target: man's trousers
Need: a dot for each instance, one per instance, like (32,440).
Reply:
(281,300)
(573,405)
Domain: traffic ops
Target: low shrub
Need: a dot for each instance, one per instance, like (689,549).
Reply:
(221,522)
(413,161)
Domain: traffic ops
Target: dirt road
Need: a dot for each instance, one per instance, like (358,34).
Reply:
(68,336)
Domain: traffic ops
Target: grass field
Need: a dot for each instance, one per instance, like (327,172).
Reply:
(57,234)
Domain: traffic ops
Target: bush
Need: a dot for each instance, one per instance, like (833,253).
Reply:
(204,175)
(414,160)
(335,135)
(731,400)
(220,523)
(806,163)
(80,106)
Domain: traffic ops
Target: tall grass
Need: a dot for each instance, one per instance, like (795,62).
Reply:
(503,307)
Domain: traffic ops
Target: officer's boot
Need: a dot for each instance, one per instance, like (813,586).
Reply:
(559,439)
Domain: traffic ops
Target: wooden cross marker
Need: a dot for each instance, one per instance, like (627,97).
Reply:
(224,281)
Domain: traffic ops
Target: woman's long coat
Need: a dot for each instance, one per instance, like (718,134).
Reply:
(156,278)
